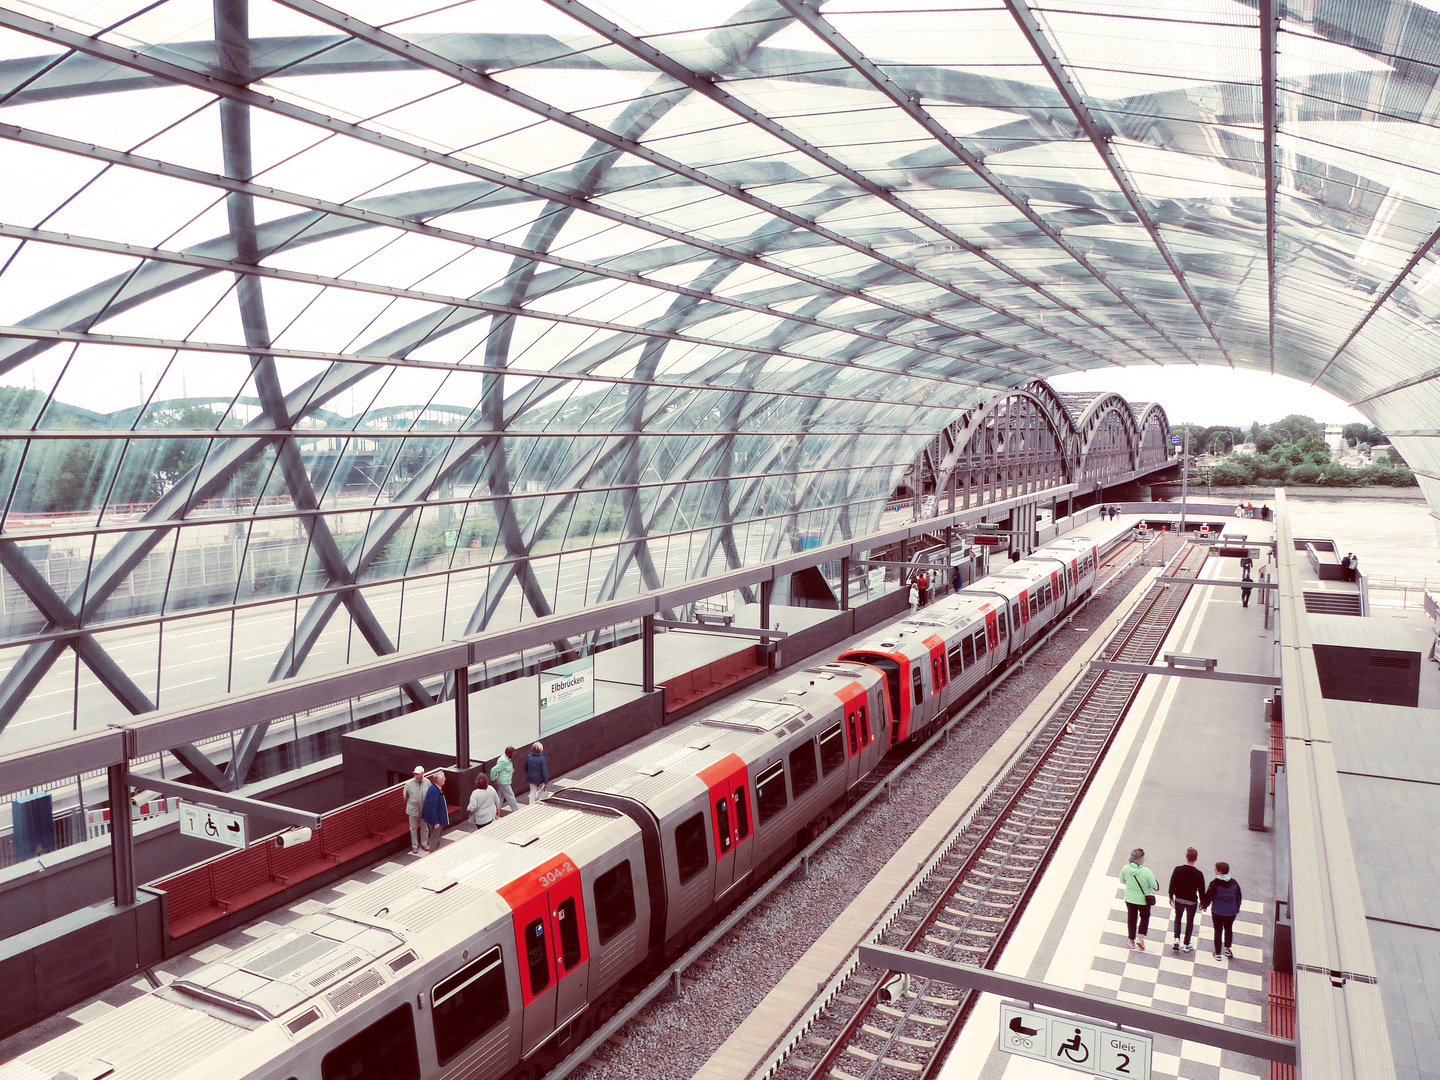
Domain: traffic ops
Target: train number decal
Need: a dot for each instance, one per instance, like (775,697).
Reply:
(556,874)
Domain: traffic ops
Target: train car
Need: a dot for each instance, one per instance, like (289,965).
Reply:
(472,961)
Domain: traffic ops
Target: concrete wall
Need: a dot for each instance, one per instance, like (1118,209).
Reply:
(54,885)
(58,965)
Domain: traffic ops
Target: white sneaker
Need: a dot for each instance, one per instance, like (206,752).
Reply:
(1187,948)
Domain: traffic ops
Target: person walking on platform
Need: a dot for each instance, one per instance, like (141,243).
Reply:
(1245,589)
(914,596)
(484,803)
(1140,886)
(955,578)
(537,771)
(435,813)
(1103,510)
(414,792)
(923,581)
(1187,885)
(1222,899)
(503,777)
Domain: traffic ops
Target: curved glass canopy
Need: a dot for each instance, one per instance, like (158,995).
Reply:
(330,331)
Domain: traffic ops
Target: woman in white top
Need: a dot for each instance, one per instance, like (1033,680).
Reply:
(484,802)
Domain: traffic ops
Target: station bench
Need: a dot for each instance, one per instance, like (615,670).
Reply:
(230,883)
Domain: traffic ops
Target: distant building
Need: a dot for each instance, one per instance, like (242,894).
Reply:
(1335,438)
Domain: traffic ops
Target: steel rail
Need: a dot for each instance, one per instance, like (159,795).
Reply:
(1150,635)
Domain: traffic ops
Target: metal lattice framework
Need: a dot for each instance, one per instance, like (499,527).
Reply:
(1033,438)
(329,332)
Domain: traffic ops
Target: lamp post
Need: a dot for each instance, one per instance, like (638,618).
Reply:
(1184,479)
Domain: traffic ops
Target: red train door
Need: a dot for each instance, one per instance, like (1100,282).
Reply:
(552,946)
(728,781)
(992,629)
(1055,586)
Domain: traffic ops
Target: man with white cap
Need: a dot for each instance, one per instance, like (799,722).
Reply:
(414,805)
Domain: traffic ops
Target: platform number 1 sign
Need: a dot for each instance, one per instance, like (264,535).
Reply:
(1074,1043)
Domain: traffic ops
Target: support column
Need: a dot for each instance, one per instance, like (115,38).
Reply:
(845,583)
(647,654)
(766,588)
(462,718)
(122,838)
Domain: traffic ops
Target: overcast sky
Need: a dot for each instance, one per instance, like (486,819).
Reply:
(1214,395)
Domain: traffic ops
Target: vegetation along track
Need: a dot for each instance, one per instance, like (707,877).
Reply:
(876,1029)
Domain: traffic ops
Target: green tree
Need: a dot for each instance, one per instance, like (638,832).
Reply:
(1254,430)
(1299,428)
(1264,442)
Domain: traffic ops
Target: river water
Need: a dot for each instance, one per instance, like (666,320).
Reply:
(1393,539)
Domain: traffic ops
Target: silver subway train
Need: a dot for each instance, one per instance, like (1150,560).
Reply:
(498,954)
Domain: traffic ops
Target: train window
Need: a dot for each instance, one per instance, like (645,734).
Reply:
(1004,630)
(918,682)
(614,902)
(967,645)
(803,773)
(1015,617)
(537,957)
(770,797)
(469,1004)
(854,734)
(832,749)
(937,670)
(957,664)
(742,814)
(979,643)
(691,851)
(569,929)
(722,823)
(383,1051)
(865,725)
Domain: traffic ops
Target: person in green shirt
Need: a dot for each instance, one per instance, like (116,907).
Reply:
(1140,886)
(503,775)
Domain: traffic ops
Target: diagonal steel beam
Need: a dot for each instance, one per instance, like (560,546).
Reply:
(443,300)
(707,86)
(910,102)
(476,79)
(1101,139)
(209,83)
(1269,35)
(380,219)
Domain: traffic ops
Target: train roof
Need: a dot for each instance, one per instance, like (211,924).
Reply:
(154,1037)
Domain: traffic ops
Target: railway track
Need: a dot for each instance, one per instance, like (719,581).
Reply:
(880,1028)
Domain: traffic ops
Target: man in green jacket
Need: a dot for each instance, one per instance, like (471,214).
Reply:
(502,776)
(1140,886)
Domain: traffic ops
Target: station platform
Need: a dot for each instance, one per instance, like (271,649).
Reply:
(1177,775)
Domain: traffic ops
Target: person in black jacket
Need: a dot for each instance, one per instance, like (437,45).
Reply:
(1187,883)
(1222,899)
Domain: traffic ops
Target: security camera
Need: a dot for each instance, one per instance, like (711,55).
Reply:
(293,838)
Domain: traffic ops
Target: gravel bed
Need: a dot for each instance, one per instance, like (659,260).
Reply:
(673,1038)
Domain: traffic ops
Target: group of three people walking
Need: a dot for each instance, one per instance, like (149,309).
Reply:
(1188,894)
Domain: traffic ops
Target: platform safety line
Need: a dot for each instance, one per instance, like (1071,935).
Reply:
(792,1038)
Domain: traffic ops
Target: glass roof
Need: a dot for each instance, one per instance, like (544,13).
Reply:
(541,302)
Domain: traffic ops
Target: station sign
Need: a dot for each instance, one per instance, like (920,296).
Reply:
(1074,1043)
(217,826)
(1175,440)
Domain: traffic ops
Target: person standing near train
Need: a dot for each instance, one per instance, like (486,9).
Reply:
(484,803)
(537,772)
(503,777)
(414,792)
(435,813)
(1140,888)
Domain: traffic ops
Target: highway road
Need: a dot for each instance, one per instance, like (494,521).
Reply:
(206,656)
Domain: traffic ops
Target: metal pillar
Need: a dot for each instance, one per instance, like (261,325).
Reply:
(462,718)
(766,588)
(122,838)
(1184,479)
(647,654)
(845,584)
